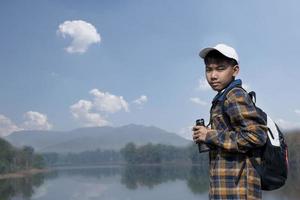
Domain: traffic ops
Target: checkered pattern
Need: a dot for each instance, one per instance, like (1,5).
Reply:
(232,175)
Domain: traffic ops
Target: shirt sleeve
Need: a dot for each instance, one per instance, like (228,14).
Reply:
(248,126)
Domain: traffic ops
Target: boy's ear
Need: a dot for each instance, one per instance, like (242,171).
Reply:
(236,70)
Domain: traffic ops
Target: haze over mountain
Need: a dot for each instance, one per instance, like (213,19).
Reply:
(93,138)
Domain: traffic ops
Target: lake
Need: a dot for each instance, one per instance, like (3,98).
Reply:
(125,183)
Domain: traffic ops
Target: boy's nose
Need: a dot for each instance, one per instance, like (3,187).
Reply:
(214,75)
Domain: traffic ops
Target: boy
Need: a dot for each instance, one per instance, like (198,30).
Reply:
(236,129)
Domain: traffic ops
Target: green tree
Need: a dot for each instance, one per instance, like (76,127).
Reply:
(27,156)
(38,161)
(6,156)
(129,152)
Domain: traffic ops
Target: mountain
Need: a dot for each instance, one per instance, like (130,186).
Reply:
(92,138)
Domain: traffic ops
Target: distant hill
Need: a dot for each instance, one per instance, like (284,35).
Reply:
(84,139)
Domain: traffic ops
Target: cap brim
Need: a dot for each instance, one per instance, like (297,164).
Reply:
(205,51)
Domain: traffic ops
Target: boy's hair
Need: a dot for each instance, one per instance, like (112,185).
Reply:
(215,56)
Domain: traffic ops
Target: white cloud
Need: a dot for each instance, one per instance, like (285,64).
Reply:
(297,111)
(82,33)
(104,101)
(287,125)
(32,121)
(35,121)
(80,108)
(94,113)
(7,126)
(197,100)
(82,111)
(142,100)
(203,84)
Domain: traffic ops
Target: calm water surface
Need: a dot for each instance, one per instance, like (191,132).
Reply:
(125,183)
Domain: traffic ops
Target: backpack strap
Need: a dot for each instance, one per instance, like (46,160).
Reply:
(255,164)
(240,173)
(252,94)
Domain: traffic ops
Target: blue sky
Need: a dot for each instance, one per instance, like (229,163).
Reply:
(69,64)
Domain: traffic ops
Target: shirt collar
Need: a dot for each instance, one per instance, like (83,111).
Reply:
(220,96)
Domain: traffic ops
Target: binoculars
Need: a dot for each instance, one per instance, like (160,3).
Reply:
(201,146)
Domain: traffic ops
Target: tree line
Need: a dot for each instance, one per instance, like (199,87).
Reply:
(14,159)
(159,154)
(83,158)
(129,154)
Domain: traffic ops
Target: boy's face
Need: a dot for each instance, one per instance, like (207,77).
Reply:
(220,74)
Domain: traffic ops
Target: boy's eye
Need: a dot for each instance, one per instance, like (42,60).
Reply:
(221,67)
(207,69)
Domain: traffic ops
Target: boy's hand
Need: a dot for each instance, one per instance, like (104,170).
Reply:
(199,133)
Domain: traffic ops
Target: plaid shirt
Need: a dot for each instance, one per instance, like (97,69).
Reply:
(232,175)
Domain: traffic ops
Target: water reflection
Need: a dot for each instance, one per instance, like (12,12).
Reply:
(134,176)
(129,180)
(195,176)
(197,180)
(95,172)
(22,187)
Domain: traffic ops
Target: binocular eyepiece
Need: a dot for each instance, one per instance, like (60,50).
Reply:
(200,122)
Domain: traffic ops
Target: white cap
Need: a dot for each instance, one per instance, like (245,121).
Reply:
(223,49)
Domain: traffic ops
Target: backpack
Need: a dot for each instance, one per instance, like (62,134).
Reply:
(273,169)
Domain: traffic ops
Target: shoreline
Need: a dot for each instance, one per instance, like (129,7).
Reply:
(23,173)
(30,172)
